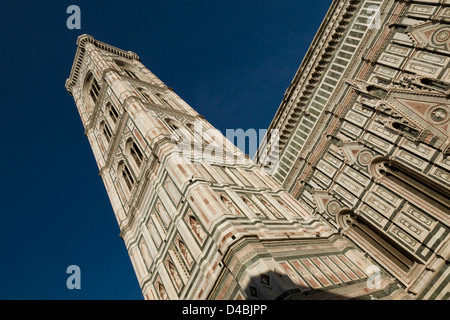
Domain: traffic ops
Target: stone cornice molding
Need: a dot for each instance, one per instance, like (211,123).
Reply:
(79,56)
(312,67)
(172,112)
(160,88)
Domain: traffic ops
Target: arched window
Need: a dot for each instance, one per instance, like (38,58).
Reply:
(178,131)
(106,131)
(163,100)
(95,90)
(145,95)
(190,127)
(112,112)
(135,153)
(131,74)
(174,125)
(174,275)
(91,91)
(127,69)
(127,176)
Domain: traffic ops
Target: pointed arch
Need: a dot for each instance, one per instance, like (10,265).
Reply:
(128,69)
(125,175)
(91,91)
(112,113)
(134,154)
(146,96)
(105,134)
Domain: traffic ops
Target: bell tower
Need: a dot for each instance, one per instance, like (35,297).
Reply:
(198,218)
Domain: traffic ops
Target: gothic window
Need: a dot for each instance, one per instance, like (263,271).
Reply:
(91,91)
(94,90)
(165,218)
(145,95)
(131,74)
(136,154)
(106,131)
(163,100)
(127,69)
(127,176)
(190,126)
(178,131)
(112,112)
(172,124)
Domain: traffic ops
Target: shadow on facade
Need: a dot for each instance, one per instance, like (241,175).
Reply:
(283,287)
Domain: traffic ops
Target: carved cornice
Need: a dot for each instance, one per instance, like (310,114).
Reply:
(79,56)
(312,68)
(161,87)
(173,112)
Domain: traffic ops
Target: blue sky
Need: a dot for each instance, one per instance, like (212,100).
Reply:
(230,60)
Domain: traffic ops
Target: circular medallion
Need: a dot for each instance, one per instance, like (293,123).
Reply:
(333,207)
(438,114)
(364,157)
(442,36)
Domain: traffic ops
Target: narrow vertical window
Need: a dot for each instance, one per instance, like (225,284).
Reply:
(136,154)
(163,100)
(113,113)
(107,132)
(95,90)
(127,177)
(131,74)
(145,96)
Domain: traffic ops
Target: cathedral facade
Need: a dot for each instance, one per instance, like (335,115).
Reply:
(356,202)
